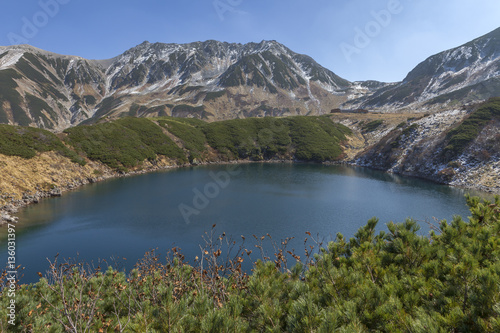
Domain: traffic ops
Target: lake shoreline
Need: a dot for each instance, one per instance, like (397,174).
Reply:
(460,183)
(8,211)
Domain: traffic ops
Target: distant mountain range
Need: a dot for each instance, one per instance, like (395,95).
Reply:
(214,81)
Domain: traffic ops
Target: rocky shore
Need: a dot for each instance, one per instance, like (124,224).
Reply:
(414,147)
(33,198)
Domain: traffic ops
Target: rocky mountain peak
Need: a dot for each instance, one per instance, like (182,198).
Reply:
(216,80)
(210,80)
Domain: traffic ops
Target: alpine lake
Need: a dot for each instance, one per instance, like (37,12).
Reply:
(119,220)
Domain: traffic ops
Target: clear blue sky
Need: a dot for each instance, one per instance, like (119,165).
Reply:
(327,30)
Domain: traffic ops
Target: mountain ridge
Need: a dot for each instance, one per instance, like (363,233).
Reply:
(210,80)
(215,80)
(462,67)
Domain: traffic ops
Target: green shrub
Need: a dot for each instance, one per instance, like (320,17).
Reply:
(307,138)
(402,124)
(182,110)
(127,142)
(123,143)
(214,95)
(460,137)
(152,135)
(316,138)
(27,141)
(89,100)
(410,129)
(372,125)
(188,131)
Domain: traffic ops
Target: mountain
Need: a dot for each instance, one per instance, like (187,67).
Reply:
(208,80)
(47,90)
(466,74)
(214,80)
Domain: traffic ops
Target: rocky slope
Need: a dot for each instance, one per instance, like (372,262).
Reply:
(46,90)
(457,147)
(466,74)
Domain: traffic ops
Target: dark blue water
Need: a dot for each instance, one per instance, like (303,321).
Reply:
(127,217)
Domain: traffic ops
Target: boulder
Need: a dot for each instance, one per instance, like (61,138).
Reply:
(56,192)
(10,209)
(6,218)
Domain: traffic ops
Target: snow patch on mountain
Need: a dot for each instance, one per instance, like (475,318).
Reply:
(10,59)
